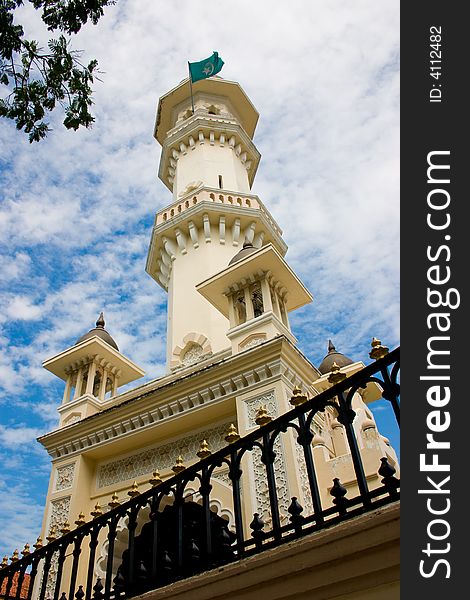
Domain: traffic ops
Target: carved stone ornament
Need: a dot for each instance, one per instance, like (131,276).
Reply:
(162,457)
(259,470)
(64,477)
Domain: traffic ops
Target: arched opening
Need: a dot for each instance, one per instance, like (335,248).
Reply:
(180,551)
(257,299)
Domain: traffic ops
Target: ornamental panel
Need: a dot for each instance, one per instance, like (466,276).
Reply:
(268,400)
(64,477)
(162,457)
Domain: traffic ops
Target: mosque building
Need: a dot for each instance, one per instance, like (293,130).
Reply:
(233,364)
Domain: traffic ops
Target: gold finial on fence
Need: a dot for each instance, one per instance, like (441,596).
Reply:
(15,556)
(81,520)
(232,435)
(38,543)
(155,479)
(262,417)
(134,491)
(378,351)
(4,562)
(204,451)
(65,528)
(97,512)
(26,550)
(179,466)
(52,535)
(114,503)
(335,375)
(297,397)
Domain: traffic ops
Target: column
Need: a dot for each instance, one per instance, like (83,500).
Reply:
(286,316)
(78,385)
(250,313)
(266,292)
(104,379)
(115,386)
(68,386)
(275,302)
(231,311)
(91,377)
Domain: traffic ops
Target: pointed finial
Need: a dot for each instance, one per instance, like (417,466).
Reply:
(204,451)
(81,520)
(378,351)
(331,347)
(262,417)
(52,535)
(4,562)
(100,322)
(14,556)
(297,397)
(336,376)
(114,503)
(155,479)
(97,512)
(38,543)
(65,528)
(179,466)
(134,491)
(232,435)
(26,550)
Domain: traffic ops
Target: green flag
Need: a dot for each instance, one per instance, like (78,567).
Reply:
(205,68)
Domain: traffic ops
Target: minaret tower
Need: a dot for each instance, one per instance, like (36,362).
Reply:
(208,162)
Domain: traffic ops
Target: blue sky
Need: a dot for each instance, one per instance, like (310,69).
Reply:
(76,210)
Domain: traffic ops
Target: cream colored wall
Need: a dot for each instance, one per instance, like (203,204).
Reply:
(188,311)
(205,162)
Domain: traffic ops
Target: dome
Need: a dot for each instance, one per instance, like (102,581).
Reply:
(333,357)
(247,249)
(101,332)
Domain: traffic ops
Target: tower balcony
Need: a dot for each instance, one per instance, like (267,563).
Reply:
(204,216)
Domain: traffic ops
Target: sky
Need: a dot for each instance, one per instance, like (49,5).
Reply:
(76,210)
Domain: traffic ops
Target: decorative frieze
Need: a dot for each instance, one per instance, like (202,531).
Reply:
(161,457)
(241,381)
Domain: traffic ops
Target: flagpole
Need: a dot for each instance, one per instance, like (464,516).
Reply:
(191,87)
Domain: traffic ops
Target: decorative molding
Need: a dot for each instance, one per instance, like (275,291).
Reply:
(251,341)
(194,347)
(59,512)
(306,500)
(161,457)
(64,476)
(252,405)
(223,476)
(150,410)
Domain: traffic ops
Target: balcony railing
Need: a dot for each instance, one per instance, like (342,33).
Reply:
(168,538)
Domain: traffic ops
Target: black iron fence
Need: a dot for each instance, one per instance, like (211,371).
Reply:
(169,537)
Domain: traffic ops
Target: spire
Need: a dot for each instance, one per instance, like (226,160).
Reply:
(333,357)
(101,332)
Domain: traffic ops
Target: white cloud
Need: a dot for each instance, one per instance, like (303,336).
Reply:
(14,437)
(23,308)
